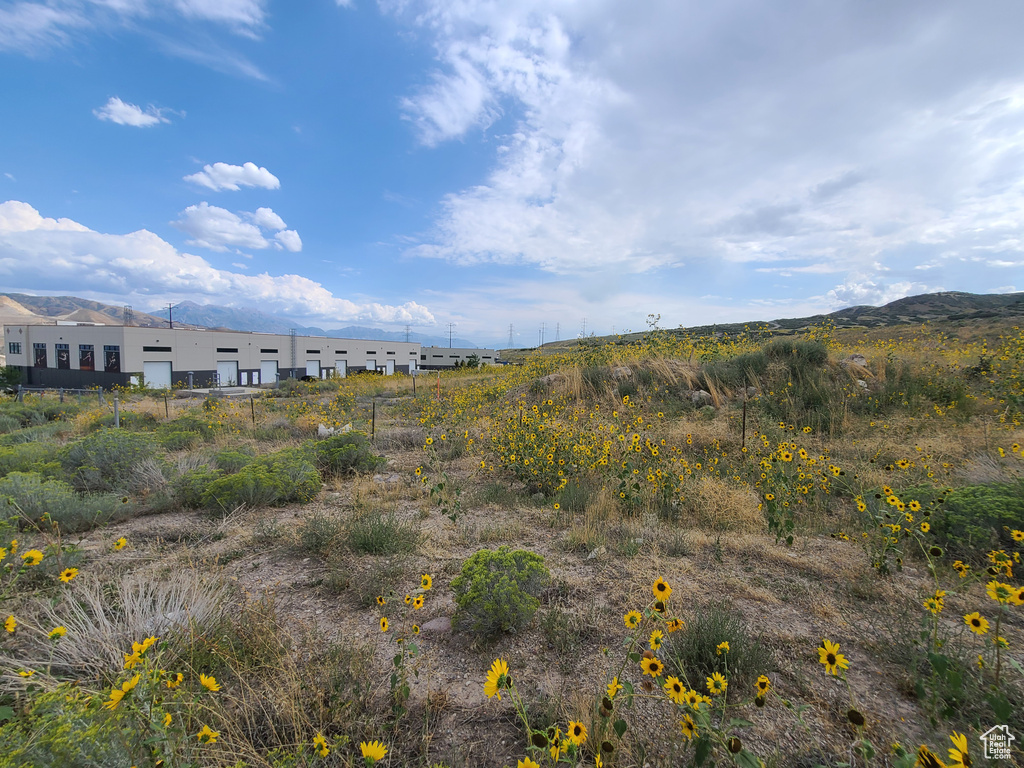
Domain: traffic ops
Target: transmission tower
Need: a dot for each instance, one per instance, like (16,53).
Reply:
(584,331)
(558,331)
(510,341)
(408,328)
(450,326)
(543,327)
(129,315)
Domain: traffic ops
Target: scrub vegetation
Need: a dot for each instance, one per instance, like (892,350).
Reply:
(724,549)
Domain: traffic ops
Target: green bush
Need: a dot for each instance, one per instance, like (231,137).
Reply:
(232,461)
(190,487)
(377,534)
(498,590)
(28,457)
(318,533)
(8,424)
(277,478)
(346,454)
(36,496)
(141,422)
(54,429)
(189,423)
(974,519)
(104,460)
(179,440)
(693,651)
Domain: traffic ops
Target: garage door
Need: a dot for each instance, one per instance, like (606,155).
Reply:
(268,371)
(313,368)
(227,373)
(157,375)
(341,369)
(390,368)
(371,364)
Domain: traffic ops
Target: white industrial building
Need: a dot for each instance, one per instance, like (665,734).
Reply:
(107,355)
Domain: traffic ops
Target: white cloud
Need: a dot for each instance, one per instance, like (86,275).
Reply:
(867,292)
(289,239)
(225,176)
(837,135)
(43,254)
(219,229)
(243,15)
(122,113)
(267,219)
(10,176)
(30,27)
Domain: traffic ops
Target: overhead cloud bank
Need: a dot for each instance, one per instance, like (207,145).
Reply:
(38,253)
(225,176)
(117,111)
(823,137)
(218,229)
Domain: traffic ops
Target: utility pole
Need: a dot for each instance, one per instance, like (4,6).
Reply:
(558,331)
(584,333)
(510,341)
(408,328)
(170,320)
(543,327)
(450,326)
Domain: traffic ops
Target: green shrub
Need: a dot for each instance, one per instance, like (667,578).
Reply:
(346,454)
(693,651)
(8,424)
(231,460)
(142,422)
(971,520)
(28,457)
(190,487)
(378,534)
(318,533)
(179,440)
(54,429)
(277,478)
(189,423)
(104,460)
(36,496)
(498,590)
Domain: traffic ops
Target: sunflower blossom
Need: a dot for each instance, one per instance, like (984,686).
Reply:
(829,655)
(373,750)
(497,678)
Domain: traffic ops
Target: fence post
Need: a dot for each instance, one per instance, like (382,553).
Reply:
(61,391)
(167,409)
(21,394)
(373,419)
(252,407)
(117,413)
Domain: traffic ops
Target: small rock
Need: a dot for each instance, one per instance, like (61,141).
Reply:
(346,428)
(622,372)
(538,496)
(700,397)
(857,360)
(862,384)
(324,431)
(439,626)
(596,553)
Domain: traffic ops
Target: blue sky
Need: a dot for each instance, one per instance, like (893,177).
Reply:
(523,162)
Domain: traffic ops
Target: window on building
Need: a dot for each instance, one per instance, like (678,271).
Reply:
(14,348)
(391,353)
(111,358)
(369,354)
(423,357)
(39,355)
(86,357)
(63,354)
(341,351)
(312,351)
(268,351)
(156,349)
(227,349)
(436,356)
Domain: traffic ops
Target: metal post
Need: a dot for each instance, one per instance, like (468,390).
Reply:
(373,419)
(21,394)
(167,409)
(117,413)
(743,442)
(252,407)
(61,391)
(190,374)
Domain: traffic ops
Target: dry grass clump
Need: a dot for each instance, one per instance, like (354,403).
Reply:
(400,438)
(720,505)
(103,620)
